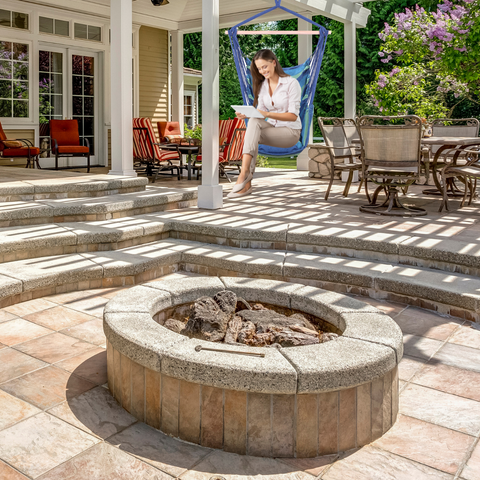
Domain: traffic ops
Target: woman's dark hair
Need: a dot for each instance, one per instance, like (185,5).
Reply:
(257,77)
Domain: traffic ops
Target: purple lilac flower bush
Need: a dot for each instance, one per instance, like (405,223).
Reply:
(436,56)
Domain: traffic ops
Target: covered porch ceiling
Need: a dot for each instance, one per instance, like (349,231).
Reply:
(186,15)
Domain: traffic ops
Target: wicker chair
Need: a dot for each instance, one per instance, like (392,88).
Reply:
(337,134)
(447,127)
(391,158)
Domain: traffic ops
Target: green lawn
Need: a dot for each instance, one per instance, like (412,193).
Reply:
(282,162)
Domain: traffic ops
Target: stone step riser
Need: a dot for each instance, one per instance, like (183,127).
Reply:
(77,244)
(79,194)
(21,284)
(92,217)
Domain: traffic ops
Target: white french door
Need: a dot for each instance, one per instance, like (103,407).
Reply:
(68,88)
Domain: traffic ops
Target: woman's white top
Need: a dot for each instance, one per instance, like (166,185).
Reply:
(285,99)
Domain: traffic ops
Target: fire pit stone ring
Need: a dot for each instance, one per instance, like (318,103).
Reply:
(300,401)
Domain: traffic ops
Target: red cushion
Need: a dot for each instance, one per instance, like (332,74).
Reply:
(168,128)
(21,152)
(65,132)
(72,149)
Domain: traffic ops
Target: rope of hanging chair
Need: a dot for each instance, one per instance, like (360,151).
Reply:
(306,74)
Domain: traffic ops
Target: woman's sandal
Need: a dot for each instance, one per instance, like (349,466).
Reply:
(237,195)
(240,186)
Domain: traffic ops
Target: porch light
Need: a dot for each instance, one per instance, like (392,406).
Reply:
(159,3)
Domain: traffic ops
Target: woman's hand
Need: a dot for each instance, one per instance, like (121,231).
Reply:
(265,114)
(240,115)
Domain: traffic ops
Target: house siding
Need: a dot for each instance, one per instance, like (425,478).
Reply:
(153,74)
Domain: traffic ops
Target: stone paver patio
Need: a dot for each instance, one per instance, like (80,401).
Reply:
(59,421)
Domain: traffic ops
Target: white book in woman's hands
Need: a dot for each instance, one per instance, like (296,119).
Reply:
(248,111)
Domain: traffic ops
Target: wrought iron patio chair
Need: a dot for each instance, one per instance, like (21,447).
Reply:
(148,156)
(231,139)
(65,141)
(338,134)
(167,131)
(447,127)
(19,148)
(391,158)
(468,173)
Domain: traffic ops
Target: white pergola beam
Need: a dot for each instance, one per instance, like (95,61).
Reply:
(121,88)
(210,193)
(341,10)
(227,21)
(350,69)
(177,77)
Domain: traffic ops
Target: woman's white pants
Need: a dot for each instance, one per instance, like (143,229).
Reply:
(259,131)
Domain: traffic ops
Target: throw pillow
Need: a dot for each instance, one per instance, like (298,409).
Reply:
(12,144)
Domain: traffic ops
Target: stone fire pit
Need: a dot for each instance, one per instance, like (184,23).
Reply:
(300,401)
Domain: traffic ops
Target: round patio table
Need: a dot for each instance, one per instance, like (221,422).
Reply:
(447,143)
(187,150)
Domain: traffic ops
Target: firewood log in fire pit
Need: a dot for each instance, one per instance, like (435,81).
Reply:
(224,317)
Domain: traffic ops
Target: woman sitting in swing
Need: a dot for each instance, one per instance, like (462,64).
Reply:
(277,97)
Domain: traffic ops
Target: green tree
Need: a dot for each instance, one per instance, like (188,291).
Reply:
(285,47)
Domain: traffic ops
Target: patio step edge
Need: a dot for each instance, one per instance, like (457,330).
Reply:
(31,190)
(94,208)
(449,294)
(33,241)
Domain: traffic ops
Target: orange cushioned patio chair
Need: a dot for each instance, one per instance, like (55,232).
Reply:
(20,148)
(169,132)
(231,134)
(65,142)
(148,156)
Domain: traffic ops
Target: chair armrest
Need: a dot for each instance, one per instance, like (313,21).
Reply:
(351,147)
(472,149)
(26,141)
(171,147)
(87,142)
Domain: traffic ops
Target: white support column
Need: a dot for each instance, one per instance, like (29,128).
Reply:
(210,193)
(121,87)
(304,51)
(177,77)
(350,68)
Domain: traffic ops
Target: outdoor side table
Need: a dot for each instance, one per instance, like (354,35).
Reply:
(187,150)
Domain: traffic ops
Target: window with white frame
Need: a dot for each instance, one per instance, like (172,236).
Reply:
(54,26)
(87,32)
(13,19)
(14,80)
(189,109)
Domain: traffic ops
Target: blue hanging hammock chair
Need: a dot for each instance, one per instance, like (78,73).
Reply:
(306,74)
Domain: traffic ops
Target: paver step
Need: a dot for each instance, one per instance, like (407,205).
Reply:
(434,251)
(455,294)
(23,185)
(61,210)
